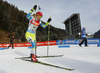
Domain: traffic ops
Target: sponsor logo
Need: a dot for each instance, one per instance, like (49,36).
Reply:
(0,45)
(94,41)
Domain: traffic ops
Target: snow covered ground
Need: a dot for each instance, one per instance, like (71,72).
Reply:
(82,59)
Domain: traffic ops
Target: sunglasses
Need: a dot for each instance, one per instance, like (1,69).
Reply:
(39,16)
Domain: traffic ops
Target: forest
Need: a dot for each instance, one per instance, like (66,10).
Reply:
(14,22)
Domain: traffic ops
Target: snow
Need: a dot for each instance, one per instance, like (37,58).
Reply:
(82,59)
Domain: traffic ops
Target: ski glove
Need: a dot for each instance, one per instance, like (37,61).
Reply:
(35,7)
(49,20)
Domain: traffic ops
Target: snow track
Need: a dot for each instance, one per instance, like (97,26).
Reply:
(82,59)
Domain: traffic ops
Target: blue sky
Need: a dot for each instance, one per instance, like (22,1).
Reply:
(59,10)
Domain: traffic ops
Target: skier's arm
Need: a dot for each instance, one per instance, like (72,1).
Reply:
(29,14)
(44,25)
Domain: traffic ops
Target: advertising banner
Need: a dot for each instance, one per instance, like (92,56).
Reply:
(73,42)
(28,44)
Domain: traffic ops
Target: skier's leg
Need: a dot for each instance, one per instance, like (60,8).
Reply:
(12,45)
(81,42)
(32,42)
(34,39)
(34,47)
(9,45)
(31,39)
(85,42)
(33,57)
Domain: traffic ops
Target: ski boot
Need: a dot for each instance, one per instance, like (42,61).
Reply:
(33,58)
(80,45)
(33,54)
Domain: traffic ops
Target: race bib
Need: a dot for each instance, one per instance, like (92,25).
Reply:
(32,27)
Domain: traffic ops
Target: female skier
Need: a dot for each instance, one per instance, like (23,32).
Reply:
(34,22)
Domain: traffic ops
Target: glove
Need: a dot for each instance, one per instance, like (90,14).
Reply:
(49,20)
(35,7)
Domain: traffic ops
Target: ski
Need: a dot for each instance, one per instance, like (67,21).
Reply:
(42,56)
(49,56)
(49,65)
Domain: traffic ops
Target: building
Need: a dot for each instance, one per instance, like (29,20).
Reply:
(73,26)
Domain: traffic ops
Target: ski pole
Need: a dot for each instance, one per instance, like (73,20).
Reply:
(35,32)
(35,26)
(48,38)
(39,8)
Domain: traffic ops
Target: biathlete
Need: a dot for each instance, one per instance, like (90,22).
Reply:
(34,22)
(83,36)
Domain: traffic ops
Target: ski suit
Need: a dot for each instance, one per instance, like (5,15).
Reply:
(31,31)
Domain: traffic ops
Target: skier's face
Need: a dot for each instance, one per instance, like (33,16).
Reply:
(38,17)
